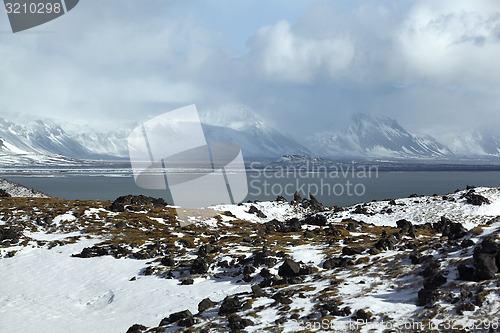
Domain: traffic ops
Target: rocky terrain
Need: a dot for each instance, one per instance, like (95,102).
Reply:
(417,264)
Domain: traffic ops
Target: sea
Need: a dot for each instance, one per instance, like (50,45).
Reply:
(330,188)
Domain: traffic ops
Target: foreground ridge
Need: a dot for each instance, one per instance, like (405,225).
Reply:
(424,263)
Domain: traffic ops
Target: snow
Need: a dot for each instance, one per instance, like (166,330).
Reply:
(429,209)
(49,291)
(308,254)
(16,190)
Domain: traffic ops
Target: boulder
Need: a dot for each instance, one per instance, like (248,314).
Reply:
(231,304)
(466,273)
(257,291)
(427,297)
(386,243)
(137,328)
(236,323)
(289,268)
(352,250)
(254,210)
(406,227)
(174,317)
(10,234)
(476,199)
(485,266)
(316,219)
(205,305)
(337,262)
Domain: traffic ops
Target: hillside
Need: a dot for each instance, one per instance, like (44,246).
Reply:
(281,266)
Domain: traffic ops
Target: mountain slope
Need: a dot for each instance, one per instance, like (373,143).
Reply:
(368,136)
(474,144)
(113,144)
(256,138)
(42,143)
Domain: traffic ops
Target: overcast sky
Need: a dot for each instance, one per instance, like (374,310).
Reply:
(302,65)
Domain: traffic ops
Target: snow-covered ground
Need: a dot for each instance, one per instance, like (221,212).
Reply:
(16,190)
(44,288)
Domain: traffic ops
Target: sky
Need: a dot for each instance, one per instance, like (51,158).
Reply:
(304,66)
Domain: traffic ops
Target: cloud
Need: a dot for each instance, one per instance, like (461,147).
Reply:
(283,55)
(452,42)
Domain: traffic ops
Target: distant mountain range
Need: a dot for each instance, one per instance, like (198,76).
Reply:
(366,137)
(372,137)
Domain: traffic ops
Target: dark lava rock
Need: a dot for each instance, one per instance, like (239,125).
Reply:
(186,322)
(354,226)
(94,251)
(485,266)
(281,299)
(427,296)
(264,257)
(360,210)
(362,315)
(465,272)
(337,262)
(406,227)
(200,265)
(138,200)
(168,260)
(296,197)
(4,193)
(467,243)
(187,281)
(10,234)
(314,203)
(254,210)
(248,269)
(352,250)
(386,243)
(486,258)
(231,304)
(333,231)
(289,268)
(292,225)
(476,199)
(332,308)
(468,306)
(280,198)
(136,328)
(205,305)
(434,281)
(237,323)
(257,291)
(448,228)
(206,249)
(316,219)
(175,317)
(487,245)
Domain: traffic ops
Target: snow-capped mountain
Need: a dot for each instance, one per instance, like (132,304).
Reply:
(256,138)
(112,144)
(374,137)
(39,142)
(474,144)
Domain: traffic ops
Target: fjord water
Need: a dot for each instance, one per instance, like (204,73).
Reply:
(329,191)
